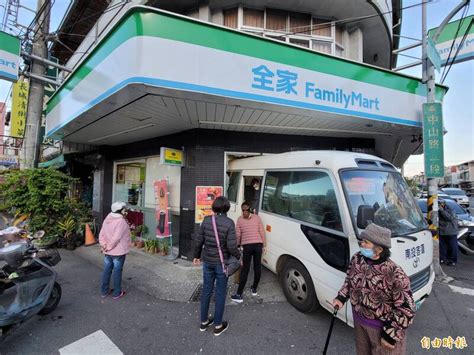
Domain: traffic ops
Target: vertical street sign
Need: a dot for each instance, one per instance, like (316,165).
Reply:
(433,140)
(19,108)
(9,56)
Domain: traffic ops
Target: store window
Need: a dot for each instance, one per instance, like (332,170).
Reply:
(307,196)
(129,183)
(253,18)
(230,18)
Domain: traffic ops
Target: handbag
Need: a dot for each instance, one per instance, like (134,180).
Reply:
(232,264)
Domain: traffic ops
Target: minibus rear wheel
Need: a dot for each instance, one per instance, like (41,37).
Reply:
(298,286)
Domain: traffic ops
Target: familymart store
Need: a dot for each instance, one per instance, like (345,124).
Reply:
(162,80)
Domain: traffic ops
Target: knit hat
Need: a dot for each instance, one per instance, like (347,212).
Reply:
(377,235)
(117,206)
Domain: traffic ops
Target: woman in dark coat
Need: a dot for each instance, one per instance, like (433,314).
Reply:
(448,235)
(211,262)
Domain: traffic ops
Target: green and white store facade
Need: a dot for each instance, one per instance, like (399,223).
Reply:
(163,80)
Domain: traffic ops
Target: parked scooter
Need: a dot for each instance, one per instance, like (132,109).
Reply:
(27,280)
(465,241)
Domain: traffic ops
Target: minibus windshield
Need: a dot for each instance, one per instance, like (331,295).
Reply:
(388,194)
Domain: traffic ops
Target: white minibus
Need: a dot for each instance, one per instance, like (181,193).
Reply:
(314,204)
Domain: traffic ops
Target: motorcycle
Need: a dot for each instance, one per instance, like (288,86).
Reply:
(465,241)
(28,283)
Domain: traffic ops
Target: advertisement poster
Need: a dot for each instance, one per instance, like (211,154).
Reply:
(162,211)
(205,196)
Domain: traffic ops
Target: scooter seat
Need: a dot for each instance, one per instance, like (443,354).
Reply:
(13,253)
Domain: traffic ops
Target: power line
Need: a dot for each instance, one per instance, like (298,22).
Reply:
(458,49)
(346,21)
(454,39)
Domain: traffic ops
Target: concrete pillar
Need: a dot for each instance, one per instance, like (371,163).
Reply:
(354,47)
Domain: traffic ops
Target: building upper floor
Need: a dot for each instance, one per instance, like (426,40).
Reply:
(359,30)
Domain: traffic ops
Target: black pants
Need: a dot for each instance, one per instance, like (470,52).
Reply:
(251,251)
(448,248)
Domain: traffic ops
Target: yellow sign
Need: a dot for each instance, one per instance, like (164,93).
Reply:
(19,108)
(171,156)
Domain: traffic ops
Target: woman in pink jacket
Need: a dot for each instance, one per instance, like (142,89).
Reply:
(114,239)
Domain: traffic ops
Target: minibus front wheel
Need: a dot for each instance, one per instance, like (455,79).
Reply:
(298,286)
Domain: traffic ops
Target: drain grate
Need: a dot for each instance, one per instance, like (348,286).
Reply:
(196,296)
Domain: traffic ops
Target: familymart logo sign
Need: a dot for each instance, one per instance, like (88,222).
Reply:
(290,83)
(9,57)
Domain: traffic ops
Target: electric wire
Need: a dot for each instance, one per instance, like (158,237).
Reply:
(455,36)
(458,49)
(344,21)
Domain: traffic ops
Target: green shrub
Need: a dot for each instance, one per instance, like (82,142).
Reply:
(42,194)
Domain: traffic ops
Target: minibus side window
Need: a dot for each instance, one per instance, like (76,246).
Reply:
(307,196)
(233,187)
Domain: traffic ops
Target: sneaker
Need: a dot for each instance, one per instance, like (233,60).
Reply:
(119,296)
(108,293)
(451,263)
(237,298)
(206,325)
(222,329)
(442,262)
(254,291)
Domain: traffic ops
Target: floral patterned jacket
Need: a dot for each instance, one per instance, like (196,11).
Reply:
(380,290)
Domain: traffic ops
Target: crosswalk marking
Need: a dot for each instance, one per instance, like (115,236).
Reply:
(95,343)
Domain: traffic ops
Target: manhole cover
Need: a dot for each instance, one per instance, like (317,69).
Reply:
(196,296)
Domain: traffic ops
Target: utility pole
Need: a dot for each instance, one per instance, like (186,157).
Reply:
(31,142)
(429,80)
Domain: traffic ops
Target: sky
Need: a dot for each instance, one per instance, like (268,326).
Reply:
(458,103)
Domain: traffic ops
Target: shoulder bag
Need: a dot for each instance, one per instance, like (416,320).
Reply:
(232,264)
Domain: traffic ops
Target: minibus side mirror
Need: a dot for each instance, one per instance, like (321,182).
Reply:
(365,216)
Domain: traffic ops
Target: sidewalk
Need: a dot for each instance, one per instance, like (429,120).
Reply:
(177,280)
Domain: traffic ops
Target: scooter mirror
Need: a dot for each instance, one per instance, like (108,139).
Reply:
(38,235)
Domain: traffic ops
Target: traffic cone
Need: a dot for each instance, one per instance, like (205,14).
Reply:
(90,240)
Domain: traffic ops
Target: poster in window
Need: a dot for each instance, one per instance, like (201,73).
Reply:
(162,208)
(205,196)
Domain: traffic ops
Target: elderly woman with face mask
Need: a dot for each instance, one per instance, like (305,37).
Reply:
(380,295)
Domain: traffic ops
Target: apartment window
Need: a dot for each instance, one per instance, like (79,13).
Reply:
(278,38)
(300,42)
(230,18)
(322,46)
(300,23)
(339,35)
(321,28)
(276,20)
(253,18)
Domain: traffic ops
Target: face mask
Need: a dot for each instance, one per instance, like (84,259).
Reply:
(368,253)
(256,186)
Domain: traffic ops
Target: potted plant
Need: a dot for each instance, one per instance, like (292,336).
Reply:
(164,247)
(68,226)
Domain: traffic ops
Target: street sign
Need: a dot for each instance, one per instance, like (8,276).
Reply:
(9,56)
(433,140)
(447,36)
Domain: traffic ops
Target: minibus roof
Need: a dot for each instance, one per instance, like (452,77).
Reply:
(328,159)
